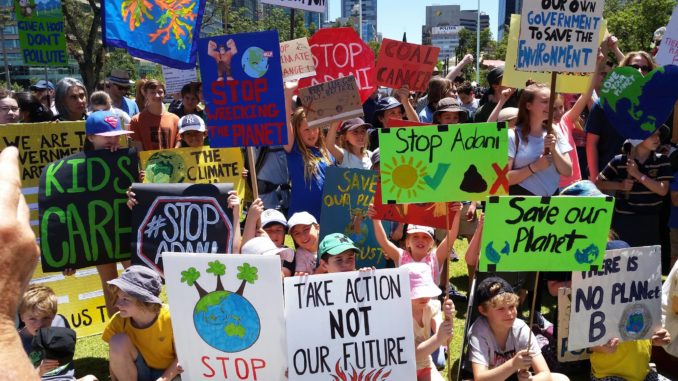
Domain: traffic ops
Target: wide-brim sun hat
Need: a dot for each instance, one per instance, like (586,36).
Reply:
(421,281)
(141,283)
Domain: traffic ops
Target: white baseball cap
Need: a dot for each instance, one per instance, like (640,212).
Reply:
(301,218)
(191,122)
(264,246)
(270,216)
(419,229)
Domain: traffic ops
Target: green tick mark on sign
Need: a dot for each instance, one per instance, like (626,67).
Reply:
(435,181)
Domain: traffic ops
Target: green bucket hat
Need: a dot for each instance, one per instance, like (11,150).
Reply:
(336,243)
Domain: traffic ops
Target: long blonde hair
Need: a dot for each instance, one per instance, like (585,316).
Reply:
(311,161)
(523,120)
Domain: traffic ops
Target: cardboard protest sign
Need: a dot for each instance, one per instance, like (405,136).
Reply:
(566,82)
(243,89)
(467,161)
(181,218)
(331,101)
(83,217)
(637,105)
(201,165)
(402,63)
(175,79)
(227,315)
(296,59)
(668,49)
(318,6)
(41,32)
(336,326)
(559,36)
(339,52)
(564,353)
(155,30)
(434,214)
(346,196)
(622,299)
(545,233)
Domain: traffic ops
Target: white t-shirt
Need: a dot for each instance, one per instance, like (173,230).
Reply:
(484,350)
(355,162)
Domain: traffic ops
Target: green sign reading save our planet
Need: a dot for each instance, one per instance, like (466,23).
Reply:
(456,162)
(545,233)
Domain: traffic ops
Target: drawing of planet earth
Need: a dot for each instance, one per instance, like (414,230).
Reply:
(226,321)
(165,167)
(254,62)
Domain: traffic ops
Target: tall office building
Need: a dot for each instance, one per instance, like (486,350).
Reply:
(439,16)
(349,9)
(506,9)
(469,20)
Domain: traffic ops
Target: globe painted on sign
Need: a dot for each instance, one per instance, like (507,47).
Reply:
(254,62)
(226,321)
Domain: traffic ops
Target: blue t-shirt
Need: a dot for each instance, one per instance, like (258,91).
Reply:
(129,106)
(609,140)
(426,115)
(305,196)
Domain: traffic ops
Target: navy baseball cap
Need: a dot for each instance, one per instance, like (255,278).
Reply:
(387,103)
(104,123)
(42,85)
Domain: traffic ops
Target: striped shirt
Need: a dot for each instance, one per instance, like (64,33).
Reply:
(639,200)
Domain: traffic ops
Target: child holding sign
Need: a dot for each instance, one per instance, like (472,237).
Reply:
(351,151)
(496,338)
(430,330)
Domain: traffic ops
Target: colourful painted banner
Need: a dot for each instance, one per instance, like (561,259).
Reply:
(575,83)
(559,36)
(668,49)
(202,165)
(243,89)
(622,300)
(545,233)
(345,326)
(227,315)
(456,162)
(83,217)
(317,6)
(402,63)
(163,32)
(41,32)
(346,196)
(296,59)
(339,52)
(175,79)
(331,101)
(635,105)
(181,218)
(434,214)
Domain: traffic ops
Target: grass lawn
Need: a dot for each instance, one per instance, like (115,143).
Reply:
(91,355)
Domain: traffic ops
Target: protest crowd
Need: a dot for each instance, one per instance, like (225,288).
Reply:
(348,183)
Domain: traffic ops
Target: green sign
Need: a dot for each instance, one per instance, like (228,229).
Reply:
(545,233)
(457,162)
(41,32)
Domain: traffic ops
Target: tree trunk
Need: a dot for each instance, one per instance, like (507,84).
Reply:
(241,289)
(201,291)
(220,287)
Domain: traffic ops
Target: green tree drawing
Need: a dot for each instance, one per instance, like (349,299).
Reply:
(217,269)
(190,277)
(246,273)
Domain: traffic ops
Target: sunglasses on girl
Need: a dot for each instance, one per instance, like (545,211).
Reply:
(642,68)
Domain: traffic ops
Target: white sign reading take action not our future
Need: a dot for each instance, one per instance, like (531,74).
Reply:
(319,6)
(175,79)
(668,49)
(345,324)
(622,300)
(227,315)
(559,35)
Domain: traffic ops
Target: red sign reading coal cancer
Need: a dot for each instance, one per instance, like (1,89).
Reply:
(339,52)
(401,63)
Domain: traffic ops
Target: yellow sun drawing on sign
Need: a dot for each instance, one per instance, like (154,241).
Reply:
(403,176)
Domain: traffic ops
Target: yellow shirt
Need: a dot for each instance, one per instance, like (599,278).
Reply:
(154,343)
(630,361)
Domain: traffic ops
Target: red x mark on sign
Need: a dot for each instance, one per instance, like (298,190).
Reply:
(502,178)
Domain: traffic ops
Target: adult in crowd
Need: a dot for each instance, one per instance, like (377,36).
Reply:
(154,128)
(18,256)
(490,99)
(391,108)
(9,108)
(467,98)
(44,91)
(31,110)
(71,100)
(117,87)
(438,88)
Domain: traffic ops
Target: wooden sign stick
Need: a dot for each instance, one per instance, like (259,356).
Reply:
(253,172)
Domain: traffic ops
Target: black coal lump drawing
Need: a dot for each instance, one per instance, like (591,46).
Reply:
(473,182)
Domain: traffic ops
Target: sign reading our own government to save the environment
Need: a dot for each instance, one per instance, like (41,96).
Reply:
(467,161)
(545,233)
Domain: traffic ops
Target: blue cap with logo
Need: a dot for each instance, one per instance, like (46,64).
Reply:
(104,123)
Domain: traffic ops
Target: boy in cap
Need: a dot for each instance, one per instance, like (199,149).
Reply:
(336,254)
(192,131)
(140,334)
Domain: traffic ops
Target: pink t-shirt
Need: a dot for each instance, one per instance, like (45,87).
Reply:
(430,259)
(566,128)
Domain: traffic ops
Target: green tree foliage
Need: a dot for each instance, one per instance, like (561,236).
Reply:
(633,22)
(217,269)
(500,48)
(119,59)
(83,36)
(247,274)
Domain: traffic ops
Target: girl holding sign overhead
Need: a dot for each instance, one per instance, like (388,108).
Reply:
(537,152)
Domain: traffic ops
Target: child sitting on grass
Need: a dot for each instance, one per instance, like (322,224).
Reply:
(140,335)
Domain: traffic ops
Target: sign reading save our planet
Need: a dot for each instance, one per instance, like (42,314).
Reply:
(467,161)
(545,233)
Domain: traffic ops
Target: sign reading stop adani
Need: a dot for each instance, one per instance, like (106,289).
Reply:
(244,95)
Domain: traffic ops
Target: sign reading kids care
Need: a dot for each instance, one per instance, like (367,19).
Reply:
(443,163)
(402,63)
(346,326)
(545,233)
(243,89)
(559,35)
(227,315)
(41,32)
(622,299)
(84,219)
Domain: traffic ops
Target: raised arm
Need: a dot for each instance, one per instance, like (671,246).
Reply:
(443,250)
(505,95)
(583,101)
(454,73)
(390,250)
(290,87)
(404,96)
(335,150)
(212,50)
